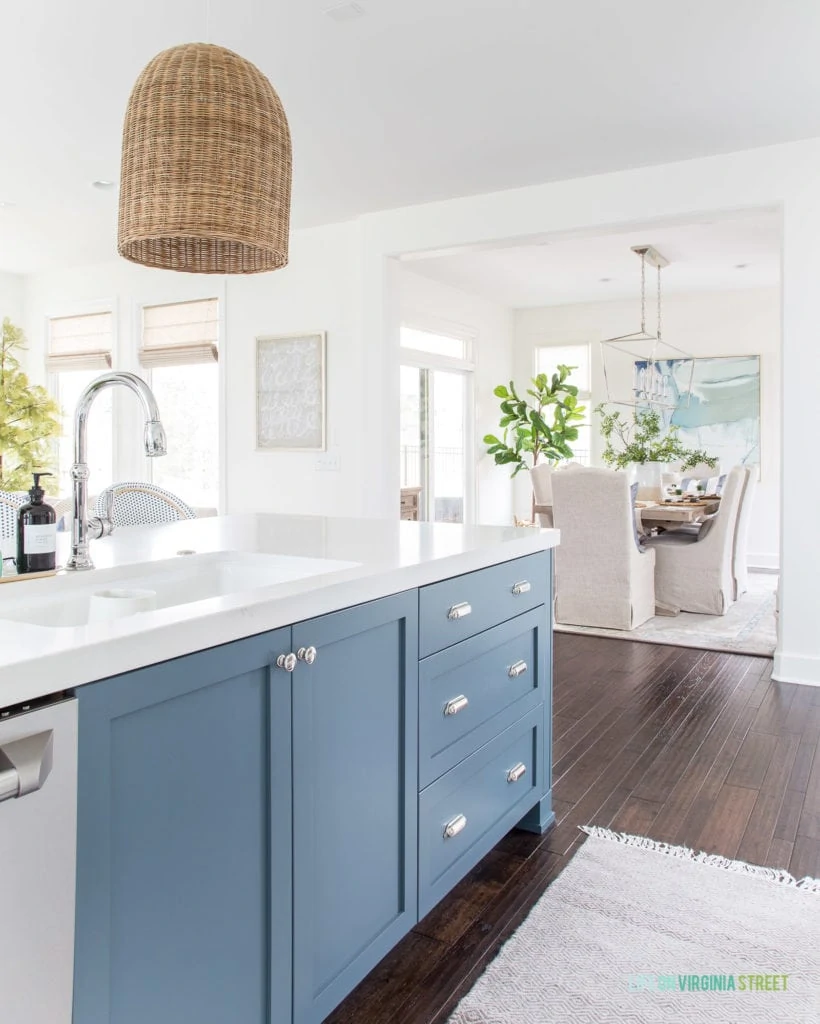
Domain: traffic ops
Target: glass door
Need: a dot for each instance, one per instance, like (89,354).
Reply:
(434,430)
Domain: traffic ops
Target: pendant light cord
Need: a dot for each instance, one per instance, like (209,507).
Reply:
(207,21)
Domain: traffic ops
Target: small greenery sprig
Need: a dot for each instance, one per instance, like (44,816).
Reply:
(540,428)
(644,440)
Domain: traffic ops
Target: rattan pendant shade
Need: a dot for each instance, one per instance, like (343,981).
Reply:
(206,166)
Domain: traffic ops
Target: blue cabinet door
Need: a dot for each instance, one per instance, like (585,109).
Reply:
(184,841)
(355,764)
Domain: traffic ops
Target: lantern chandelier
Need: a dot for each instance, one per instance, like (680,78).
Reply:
(653,383)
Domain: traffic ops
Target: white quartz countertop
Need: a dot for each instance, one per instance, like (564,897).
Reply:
(390,556)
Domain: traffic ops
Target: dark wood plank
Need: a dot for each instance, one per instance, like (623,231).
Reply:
(779,854)
(801,771)
(752,761)
(724,828)
(788,817)
(690,827)
(733,721)
(805,862)
(635,816)
(759,834)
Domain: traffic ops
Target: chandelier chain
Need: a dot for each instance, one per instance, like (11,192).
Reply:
(660,306)
(643,292)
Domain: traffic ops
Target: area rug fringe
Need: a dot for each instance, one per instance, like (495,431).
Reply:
(713,860)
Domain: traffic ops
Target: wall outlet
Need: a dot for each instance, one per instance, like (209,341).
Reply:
(328,462)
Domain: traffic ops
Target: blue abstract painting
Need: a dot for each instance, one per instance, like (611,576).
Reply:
(721,410)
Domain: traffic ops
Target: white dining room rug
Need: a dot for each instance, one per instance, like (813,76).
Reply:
(638,932)
(749,627)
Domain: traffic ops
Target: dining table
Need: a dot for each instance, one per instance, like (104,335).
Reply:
(671,515)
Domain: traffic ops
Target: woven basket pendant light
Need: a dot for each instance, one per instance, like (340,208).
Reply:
(206,166)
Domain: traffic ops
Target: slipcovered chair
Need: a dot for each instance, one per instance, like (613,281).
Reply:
(541,477)
(694,572)
(740,568)
(136,504)
(603,577)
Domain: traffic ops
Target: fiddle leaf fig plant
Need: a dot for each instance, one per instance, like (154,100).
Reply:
(644,439)
(538,426)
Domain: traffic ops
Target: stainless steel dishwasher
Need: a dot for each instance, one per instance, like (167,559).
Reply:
(38,829)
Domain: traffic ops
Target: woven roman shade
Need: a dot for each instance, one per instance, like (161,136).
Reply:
(80,342)
(180,333)
(206,166)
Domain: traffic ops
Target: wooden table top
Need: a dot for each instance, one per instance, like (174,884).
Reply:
(683,512)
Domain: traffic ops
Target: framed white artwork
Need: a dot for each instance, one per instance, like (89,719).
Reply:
(291,392)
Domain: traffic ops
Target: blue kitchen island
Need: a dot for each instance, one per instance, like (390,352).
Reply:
(261,821)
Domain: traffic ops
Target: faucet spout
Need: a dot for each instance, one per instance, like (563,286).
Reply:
(154,439)
(84,530)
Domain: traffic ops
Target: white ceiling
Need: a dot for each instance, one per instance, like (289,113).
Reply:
(714,255)
(418,100)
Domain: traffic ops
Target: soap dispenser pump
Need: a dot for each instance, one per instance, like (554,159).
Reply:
(36,532)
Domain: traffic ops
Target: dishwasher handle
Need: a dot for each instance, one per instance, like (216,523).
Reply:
(26,764)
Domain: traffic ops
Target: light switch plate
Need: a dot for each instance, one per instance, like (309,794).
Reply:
(328,462)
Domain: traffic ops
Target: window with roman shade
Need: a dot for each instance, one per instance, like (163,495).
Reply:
(179,334)
(80,342)
(179,356)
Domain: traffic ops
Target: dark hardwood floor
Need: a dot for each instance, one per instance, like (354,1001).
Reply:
(685,746)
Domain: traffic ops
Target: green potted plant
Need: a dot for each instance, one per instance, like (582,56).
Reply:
(29,417)
(645,444)
(538,427)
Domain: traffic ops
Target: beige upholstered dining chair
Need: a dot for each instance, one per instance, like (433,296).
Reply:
(740,556)
(136,503)
(694,572)
(602,575)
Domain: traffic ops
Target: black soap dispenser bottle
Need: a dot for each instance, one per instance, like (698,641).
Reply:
(36,532)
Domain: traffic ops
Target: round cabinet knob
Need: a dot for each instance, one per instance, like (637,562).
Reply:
(287,662)
(306,654)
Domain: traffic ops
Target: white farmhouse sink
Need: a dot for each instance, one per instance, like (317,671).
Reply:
(64,600)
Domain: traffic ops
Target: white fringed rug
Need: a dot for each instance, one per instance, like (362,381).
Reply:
(638,932)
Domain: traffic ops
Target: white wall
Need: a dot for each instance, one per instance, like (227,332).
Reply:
(431,304)
(704,324)
(11,297)
(317,291)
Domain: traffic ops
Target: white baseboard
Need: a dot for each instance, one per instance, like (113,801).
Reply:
(795,668)
(763,563)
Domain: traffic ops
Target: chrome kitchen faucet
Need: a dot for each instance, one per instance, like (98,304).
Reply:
(84,529)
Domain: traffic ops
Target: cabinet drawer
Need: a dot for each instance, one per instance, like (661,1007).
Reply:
(475,689)
(460,607)
(465,813)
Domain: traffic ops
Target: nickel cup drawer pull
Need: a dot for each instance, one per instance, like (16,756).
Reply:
(518,669)
(522,587)
(460,610)
(454,826)
(452,707)
(514,774)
